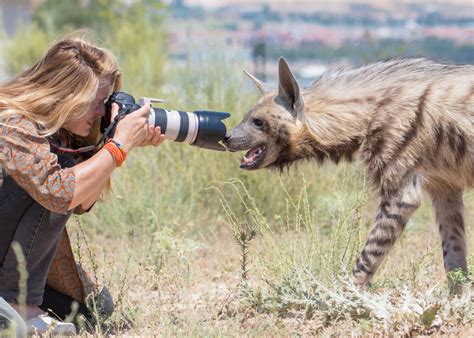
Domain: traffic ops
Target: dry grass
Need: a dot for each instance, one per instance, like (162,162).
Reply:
(186,282)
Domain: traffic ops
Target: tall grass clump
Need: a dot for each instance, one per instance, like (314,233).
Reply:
(320,232)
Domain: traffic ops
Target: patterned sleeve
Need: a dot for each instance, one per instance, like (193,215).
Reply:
(26,157)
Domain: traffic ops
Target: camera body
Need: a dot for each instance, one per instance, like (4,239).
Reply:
(201,128)
(125,101)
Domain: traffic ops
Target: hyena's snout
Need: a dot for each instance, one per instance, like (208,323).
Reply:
(236,140)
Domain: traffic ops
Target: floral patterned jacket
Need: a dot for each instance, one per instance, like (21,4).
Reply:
(27,157)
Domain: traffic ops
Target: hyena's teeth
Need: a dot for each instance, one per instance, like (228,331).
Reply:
(253,154)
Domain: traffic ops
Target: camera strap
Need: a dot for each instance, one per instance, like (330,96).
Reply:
(78,150)
(108,133)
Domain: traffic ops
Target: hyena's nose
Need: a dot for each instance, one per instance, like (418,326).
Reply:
(226,138)
(226,141)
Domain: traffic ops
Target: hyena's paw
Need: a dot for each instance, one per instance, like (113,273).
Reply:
(361,279)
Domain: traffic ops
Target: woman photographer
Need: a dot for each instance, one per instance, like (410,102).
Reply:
(46,111)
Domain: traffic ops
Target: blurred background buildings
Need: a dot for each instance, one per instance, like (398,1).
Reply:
(315,35)
(312,35)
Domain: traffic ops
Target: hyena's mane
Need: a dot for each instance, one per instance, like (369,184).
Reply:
(350,110)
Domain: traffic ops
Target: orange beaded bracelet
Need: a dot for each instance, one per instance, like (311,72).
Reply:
(114,148)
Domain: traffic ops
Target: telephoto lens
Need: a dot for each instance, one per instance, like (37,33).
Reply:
(201,128)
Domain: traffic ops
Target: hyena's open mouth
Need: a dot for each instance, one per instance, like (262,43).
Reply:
(253,157)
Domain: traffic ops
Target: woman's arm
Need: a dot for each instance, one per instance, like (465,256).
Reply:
(92,175)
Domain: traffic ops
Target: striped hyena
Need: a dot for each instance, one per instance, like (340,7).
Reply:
(410,120)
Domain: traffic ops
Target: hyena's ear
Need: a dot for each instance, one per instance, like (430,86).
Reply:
(289,90)
(262,86)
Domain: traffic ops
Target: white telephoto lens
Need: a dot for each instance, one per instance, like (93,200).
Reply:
(173,124)
(192,128)
(151,117)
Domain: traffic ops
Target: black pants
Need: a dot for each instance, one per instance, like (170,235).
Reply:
(38,248)
(37,231)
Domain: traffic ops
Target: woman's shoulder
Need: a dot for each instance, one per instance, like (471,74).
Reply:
(15,121)
(19,133)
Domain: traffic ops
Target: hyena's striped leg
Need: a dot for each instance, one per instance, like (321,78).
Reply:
(392,216)
(448,207)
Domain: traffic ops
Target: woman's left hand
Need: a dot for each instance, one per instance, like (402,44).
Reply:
(153,138)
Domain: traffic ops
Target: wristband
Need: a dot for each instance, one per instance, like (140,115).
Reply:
(119,146)
(115,149)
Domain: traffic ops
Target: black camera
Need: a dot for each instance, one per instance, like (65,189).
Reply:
(201,128)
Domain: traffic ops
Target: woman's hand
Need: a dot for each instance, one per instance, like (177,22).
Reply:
(154,137)
(133,130)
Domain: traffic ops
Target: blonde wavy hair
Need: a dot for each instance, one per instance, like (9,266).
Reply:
(61,86)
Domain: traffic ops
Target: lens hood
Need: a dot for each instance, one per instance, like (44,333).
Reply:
(211,129)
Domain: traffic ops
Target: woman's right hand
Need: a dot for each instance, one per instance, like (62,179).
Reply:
(131,130)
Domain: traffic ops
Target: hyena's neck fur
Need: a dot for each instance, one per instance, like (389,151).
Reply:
(334,126)
(398,116)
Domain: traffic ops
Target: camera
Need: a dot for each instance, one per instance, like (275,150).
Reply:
(201,128)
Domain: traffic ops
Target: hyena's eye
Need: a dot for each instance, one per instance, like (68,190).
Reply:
(258,122)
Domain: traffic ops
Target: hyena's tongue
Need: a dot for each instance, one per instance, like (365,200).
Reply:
(252,154)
